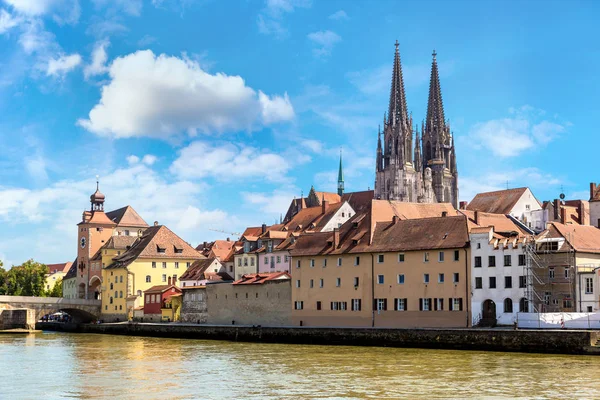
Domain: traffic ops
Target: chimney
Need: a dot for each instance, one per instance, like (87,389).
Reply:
(395,219)
(155,223)
(563,215)
(444,213)
(204,246)
(264,228)
(463,205)
(476,217)
(325,205)
(592,190)
(169,281)
(228,239)
(336,237)
(556,204)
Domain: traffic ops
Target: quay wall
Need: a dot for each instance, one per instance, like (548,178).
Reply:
(530,341)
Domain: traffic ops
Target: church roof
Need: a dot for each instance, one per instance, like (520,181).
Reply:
(127,216)
(497,202)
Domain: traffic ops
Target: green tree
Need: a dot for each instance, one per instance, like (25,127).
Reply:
(27,279)
(3,277)
(56,290)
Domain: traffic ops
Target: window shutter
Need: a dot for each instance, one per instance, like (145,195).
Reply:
(435,305)
(384,304)
(441,304)
(450,304)
(430,301)
(359,306)
(375,304)
(420,304)
(395,304)
(405,305)
(460,307)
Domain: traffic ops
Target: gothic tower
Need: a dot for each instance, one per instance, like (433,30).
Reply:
(340,190)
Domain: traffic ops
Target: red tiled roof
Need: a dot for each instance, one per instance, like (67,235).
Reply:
(497,202)
(584,238)
(259,279)
(161,288)
(359,200)
(127,216)
(500,222)
(62,267)
(98,218)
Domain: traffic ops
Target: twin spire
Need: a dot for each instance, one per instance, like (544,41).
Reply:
(398,110)
(435,106)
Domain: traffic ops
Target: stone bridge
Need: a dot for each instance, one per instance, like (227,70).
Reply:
(80,309)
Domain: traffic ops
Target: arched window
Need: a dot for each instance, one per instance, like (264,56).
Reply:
(116,294)
(523,305)
(508,306)
(111,300)
(121,294)
(148,278)
(111,286)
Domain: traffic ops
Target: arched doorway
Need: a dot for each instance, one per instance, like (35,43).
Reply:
(523,305)
(488,313)
(94,287)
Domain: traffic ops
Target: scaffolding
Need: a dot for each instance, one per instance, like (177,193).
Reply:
(550,274)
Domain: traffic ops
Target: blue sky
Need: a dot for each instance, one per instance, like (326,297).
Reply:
(214,114)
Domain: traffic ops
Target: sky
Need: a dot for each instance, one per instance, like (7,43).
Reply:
(211,116)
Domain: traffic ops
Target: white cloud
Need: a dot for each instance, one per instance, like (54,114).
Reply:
(149,159)
(35,39)
(274,203)
(36,168)
(161,96)
(131,7)
(270,19)
(99,58)
(228,162)
(8,21)
(63,11)
(63,65)
(339,15)
(325,40)
(313,145)
(132,159)
(509,137)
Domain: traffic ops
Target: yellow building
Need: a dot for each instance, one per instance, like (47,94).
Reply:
(158,257)
(56,272)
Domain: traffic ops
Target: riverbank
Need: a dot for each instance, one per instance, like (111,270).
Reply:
(528,341)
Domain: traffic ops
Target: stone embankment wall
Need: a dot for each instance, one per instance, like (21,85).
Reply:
(532,341)
(17,319)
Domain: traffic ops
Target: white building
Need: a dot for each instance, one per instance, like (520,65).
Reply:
(498,269)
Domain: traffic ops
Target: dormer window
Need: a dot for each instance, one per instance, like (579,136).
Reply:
(178,250)
(160,249)
(246,247)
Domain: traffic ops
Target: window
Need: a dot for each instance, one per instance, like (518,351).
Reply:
(321,282)
(491,261)
(478,245)
(426,278)
(148,279)
(252,262)
(239,262)
(567,272)
(111,286)
(567,303)
(456,277)
(297,283)
(324,262)
(121,279)
(522,281)
(318,305)
(440,278)
(311,283)
(356,306)
(551,273)
(380,279)
(477,262)
(357,260)
(523,305)
(266,260)
(298,305)
(492,282)
(456,304)
(400,304)
(356,281)
(400,279)
(508,282)
(438,304)
(508,308)
(441,256)
(426,256)
(478,283)
(401,257)
(521,260)
(456,255)
(339,261)
(245,262)
(120,294)
(164,265)
(297,263)
(116,294)
(424,304)
(164,277)
(111,300)
(312,262)
(176,265)
(381,304)
(285,259)
(380,258)
(153,264)
(338,282)
(278,259)
(589,285)
(507,260)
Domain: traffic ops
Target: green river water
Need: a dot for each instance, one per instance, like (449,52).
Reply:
(59,365)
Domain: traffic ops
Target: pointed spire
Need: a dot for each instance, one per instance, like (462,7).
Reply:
(340,177)
(397,109)
(379,161)
(435,108)
(453,168)
(418,161)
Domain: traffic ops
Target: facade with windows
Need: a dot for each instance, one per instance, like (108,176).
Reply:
(498,273)
(399,273)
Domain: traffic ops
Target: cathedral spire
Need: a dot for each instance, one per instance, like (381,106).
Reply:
(379,166)
(397,109)
(418,161)
(340,177)
(435,120)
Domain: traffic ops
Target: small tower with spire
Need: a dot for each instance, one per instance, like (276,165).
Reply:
(340,177)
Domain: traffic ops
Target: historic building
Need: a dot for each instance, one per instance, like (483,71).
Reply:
(410,168)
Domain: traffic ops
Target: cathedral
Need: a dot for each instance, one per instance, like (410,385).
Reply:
(416,167)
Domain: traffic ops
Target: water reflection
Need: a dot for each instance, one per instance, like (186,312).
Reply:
(55,366)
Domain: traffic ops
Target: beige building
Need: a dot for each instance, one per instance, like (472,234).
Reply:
(383,269)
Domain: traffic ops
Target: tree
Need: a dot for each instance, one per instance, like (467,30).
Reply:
(56,290)
(27,279)
(3,278)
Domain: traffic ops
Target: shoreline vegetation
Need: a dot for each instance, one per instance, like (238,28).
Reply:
(580,342)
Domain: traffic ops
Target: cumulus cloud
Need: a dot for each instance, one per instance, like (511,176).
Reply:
(509,137)
(99,58)
(133,159)
(149,159)
(228,162)
(62,65)
(339,15)
(325,40)
(63,11)
(8,21)
(161,96)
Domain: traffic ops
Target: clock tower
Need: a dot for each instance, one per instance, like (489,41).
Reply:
(94,230)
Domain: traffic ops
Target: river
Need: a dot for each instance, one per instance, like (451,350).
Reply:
(58,365)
